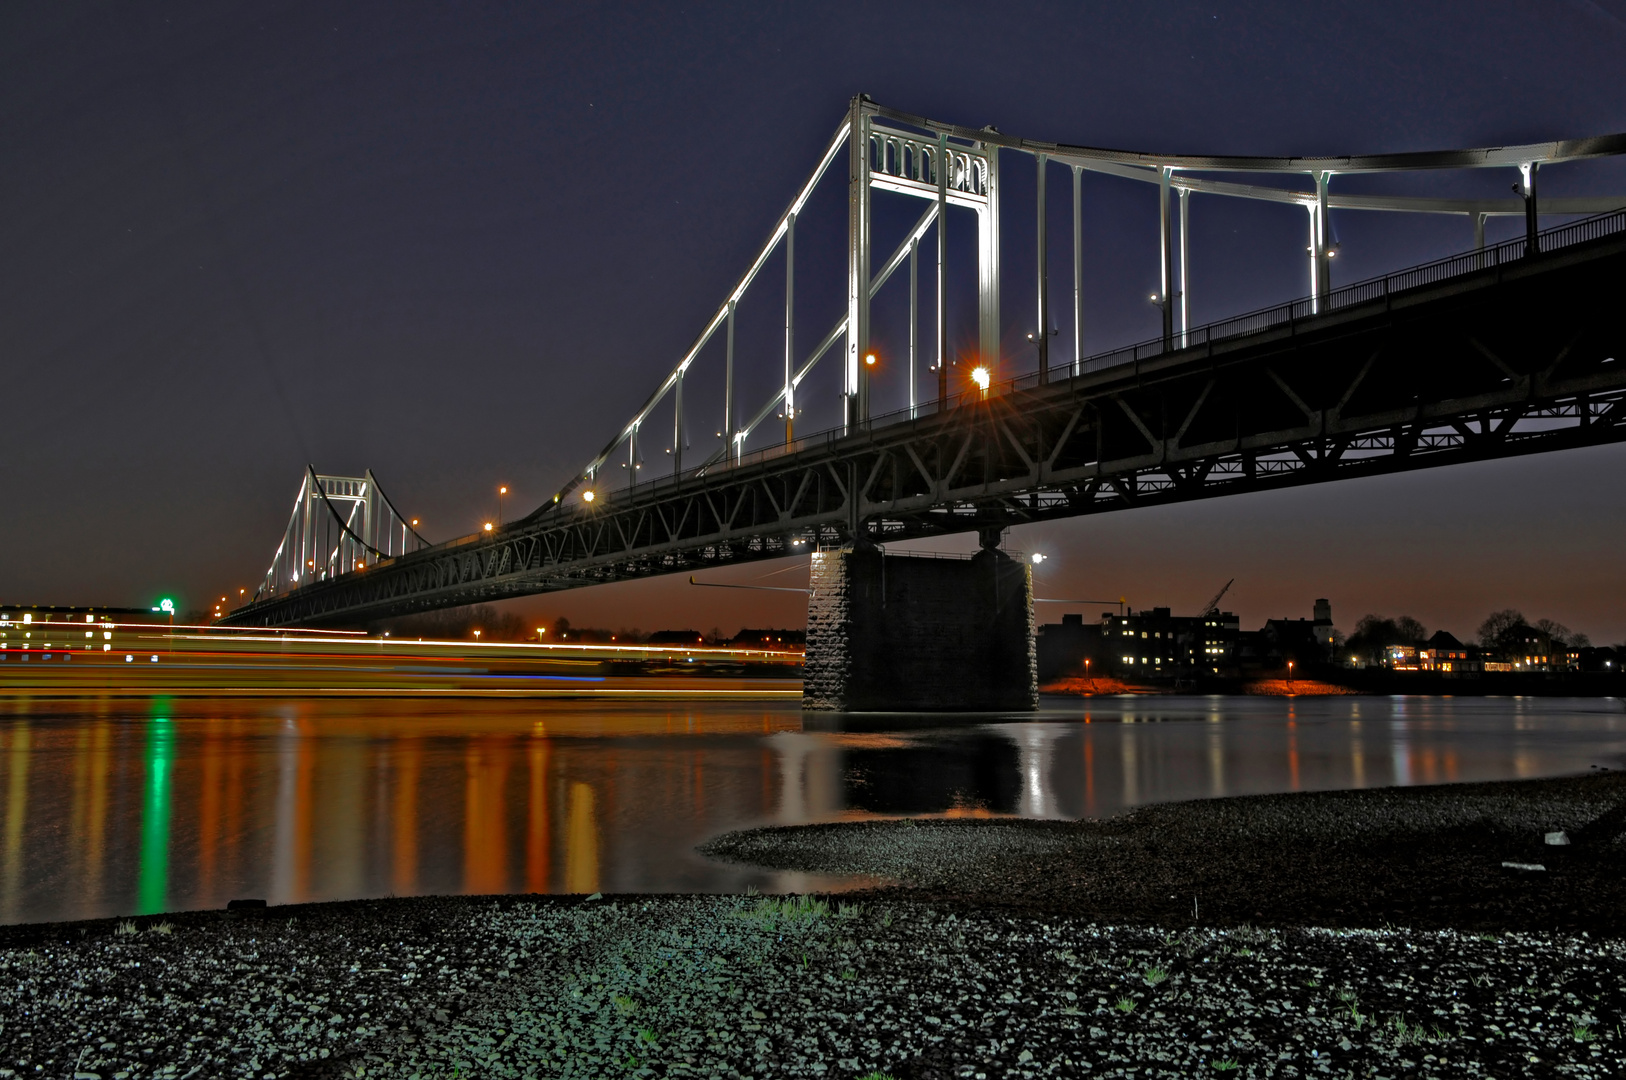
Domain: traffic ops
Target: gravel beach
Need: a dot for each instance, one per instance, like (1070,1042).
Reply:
(947,973)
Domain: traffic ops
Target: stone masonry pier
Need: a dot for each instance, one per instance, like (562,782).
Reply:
(891,632)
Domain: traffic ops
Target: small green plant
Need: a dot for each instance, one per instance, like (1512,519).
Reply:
(849,911)
(164,928)
(850,975)
(1227,1065)
(1125,1005)
(125,928)
(647,1035)
(793,912)
(1583,1033)
(1154,975)
(1346,995)
(877,1075)
(886,919)
(625,1004)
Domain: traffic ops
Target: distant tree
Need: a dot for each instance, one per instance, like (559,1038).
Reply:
(1375,628)
(1500,629)
(1372,635)
(1560,634)
(1411,631)
(561,629)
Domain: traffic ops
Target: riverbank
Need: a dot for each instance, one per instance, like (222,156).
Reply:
(1349,682)
(1015,949)
(1415,856)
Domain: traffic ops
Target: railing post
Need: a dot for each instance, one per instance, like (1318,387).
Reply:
(729,449)
(790,328)
(1043,333)
(1166,257)
(1185,267)
(1078,271)
(858,203)
(677,427)
(942,258)
(914,321)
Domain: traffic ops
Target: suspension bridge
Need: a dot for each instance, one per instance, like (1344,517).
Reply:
(1504,349)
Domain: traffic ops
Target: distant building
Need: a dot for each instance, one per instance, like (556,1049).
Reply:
(1300,641)
(1444,653)
(770,638)
(1325,634)
(1155,642)
(677,637)
(1064,647)
(1532,650)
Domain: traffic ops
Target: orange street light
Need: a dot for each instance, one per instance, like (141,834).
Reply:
(587,496)
(869,360)
(488,526)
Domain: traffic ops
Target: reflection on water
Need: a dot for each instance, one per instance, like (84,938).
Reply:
(122,807)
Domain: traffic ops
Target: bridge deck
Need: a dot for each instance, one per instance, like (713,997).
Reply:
(1488,359)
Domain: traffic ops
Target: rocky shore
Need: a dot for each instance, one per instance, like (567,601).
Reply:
(1365,934)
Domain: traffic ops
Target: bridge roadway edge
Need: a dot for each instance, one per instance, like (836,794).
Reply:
(1361,391)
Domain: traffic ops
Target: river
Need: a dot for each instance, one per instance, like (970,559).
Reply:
(131,806)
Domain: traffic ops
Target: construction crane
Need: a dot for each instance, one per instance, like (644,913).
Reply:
(1213,605)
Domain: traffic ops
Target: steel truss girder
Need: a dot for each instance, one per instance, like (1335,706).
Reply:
(1516,359)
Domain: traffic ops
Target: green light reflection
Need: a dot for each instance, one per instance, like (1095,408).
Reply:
(152,891)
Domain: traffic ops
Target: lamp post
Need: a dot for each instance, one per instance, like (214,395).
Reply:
(501,492)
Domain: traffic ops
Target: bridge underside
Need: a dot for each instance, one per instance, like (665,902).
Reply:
(1516,359)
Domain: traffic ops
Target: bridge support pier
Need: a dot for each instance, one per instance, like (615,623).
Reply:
(890,632)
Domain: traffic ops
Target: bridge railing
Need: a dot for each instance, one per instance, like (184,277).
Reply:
(1348,296)
(1253,322)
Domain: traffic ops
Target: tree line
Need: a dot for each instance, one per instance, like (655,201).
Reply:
(1502,631)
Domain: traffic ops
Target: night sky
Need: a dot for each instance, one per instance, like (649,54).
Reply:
(459,245)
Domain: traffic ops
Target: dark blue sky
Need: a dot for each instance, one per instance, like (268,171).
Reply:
(460,244)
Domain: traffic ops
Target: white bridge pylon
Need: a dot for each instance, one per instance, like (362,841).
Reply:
(947,165)
(340,524)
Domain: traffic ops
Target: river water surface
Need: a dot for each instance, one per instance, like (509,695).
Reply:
(119,807)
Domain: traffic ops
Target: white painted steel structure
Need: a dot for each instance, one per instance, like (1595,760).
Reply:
(948,165)
(339,524)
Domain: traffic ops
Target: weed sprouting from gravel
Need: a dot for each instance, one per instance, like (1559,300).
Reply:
(1227,1065)
(849,911)
(877,1076)
(126,928)
(1583,1033)
(1125,1005)
(1154,975)
(790,912)
(164,928)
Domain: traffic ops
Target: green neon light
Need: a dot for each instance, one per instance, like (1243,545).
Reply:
(152,891)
